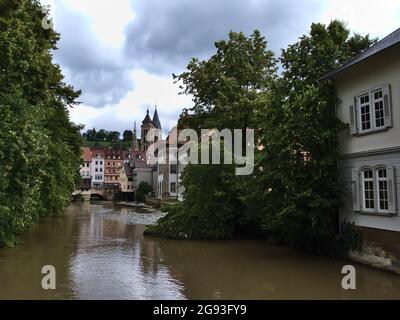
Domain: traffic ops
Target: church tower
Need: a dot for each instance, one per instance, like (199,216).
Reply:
(147,125)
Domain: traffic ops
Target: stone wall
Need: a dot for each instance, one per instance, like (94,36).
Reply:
(380,249)
(152,201)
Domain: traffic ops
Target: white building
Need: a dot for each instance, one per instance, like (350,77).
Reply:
(169,184)
(97,168)
(368,89)
(85,169)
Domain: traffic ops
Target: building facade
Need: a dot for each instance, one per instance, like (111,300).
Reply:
(169,172)
(85,169)
(97,168)
(114,160)
(368,89)
(126,178)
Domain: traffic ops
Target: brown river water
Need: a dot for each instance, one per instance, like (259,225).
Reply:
(99,252)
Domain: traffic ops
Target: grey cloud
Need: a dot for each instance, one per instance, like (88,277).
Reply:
(165,35)
(98,71)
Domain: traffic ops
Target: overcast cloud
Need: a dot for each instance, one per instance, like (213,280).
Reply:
(165,35)
(122,53)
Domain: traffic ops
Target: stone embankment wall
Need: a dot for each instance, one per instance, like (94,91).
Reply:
(380,249)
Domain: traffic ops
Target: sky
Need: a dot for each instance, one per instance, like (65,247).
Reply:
(122,53)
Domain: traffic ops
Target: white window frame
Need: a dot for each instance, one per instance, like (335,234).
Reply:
(373,101)
(376,191)
(378,197)
(371,112)
(385,89)
(363,180)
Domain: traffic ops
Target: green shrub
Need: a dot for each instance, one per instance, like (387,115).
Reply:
(143,190)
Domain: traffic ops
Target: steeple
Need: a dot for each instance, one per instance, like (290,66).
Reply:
(156,120)
(135,145)
(146,126)
(147,119)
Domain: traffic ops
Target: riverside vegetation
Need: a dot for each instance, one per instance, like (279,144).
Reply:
(294,195)
(39,146)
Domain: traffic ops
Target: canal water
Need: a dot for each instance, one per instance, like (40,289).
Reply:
(99,252)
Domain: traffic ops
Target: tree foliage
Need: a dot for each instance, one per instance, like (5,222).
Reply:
(39,146)
(143,190)
(209,209)
(105,136)
(297,182)
(294,193)
(227,88)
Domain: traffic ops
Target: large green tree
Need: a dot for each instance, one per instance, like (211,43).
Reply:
(39,146)
(227,89)
(296,184)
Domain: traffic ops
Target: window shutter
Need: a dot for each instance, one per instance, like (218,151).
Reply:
(387,106)
(355,183)
(353,118)
(391,173)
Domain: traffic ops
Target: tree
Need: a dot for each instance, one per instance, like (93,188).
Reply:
(90,135)
(227,88)
(143,190)
(113,136)
(297,181)
(209,209)
(127,135)
(39,146)
(102,135)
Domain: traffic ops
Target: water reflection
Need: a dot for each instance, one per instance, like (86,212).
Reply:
(100,253)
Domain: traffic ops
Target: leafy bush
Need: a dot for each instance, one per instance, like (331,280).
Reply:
(209,209)
(143,190)
(350,238)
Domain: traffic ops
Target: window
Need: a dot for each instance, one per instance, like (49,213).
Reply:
(365,111)
(371,112)
(374,190)
(383,190)
(377,101)
(101,163)
(173,168)
(368,190)
(173,187)
(97,163)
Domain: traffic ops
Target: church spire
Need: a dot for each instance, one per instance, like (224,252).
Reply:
(156,120)
(135,146)
(147,119)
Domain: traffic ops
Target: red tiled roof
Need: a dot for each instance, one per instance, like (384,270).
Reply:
(97,151)
(86,154)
